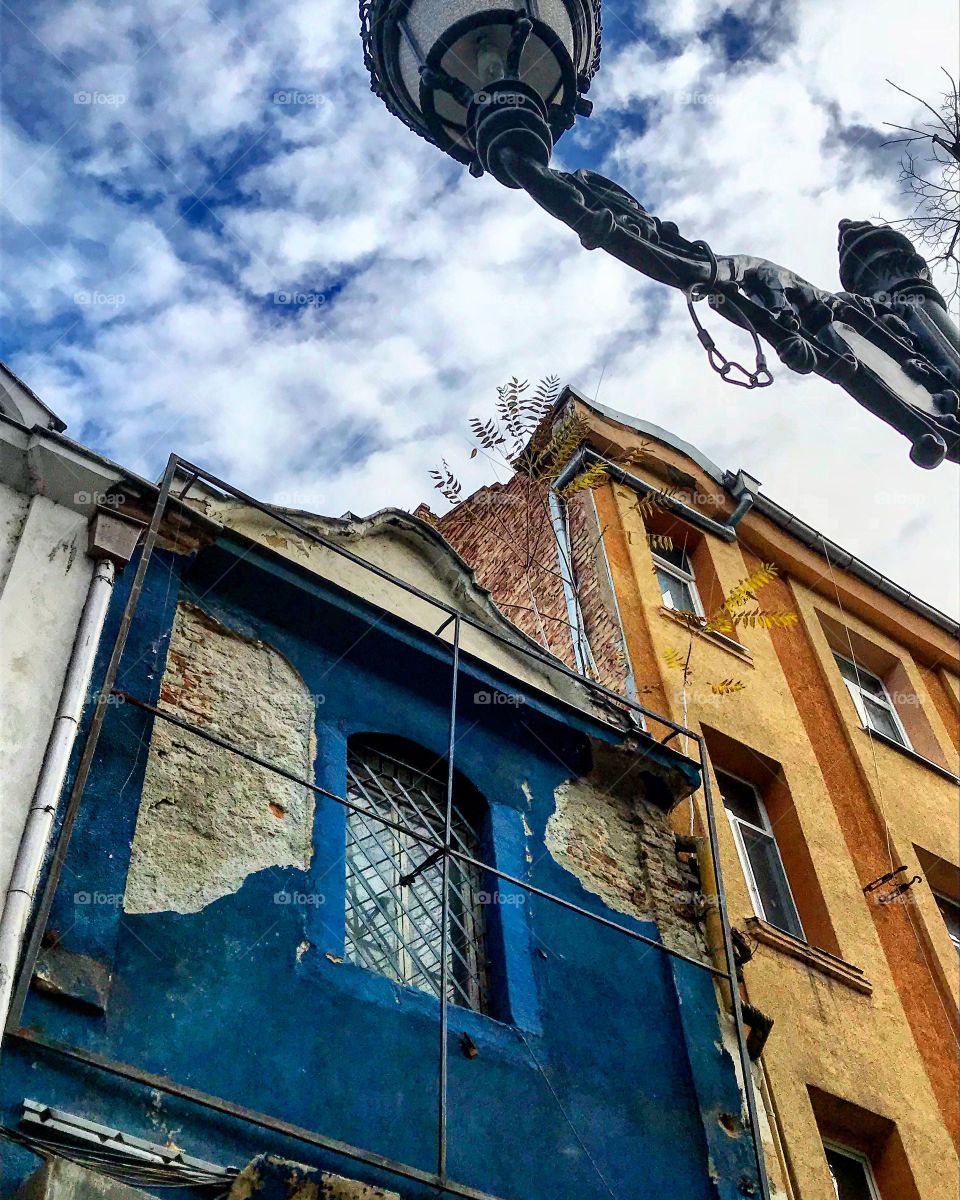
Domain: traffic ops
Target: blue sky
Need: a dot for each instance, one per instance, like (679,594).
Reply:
(311,301)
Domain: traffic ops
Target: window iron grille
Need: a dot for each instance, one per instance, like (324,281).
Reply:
(394,904)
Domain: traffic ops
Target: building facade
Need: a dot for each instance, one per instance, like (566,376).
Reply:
(257,970)
(828,700)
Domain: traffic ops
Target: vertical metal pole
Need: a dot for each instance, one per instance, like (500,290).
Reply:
(29,959)
(745,1065)
(445,916)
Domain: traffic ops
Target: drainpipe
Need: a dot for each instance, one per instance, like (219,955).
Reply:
(558,519)
(112,541)
(743,488)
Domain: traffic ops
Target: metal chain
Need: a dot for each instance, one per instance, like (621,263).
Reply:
(729,371)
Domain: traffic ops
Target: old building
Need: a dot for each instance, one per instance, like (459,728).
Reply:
(828,700)
(61,544)
(357,893)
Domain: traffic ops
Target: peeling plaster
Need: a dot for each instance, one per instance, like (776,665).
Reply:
(208,818)
(594,836)
(281,1179)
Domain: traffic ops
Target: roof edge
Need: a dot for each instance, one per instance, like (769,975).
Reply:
(832,553)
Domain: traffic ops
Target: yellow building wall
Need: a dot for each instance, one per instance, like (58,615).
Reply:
(890,1050)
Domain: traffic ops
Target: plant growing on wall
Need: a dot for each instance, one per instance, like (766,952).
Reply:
(536,452)
(740,607)
(521,439)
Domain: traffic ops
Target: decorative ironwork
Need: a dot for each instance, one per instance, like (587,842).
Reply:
(394,883)
(887,340)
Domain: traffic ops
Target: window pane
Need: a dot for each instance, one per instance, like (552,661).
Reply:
(393,927)
(770,880)
(740,798)
(677,556)
(880,718)
(676,592)
(849,1176)
(860,677)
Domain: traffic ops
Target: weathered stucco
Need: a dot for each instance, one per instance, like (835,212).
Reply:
(621,847)
(279,1179)
(209,818)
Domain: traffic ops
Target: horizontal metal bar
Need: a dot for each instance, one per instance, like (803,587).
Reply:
(595,917)
(269,766)
(421,838)
(251,1116)
(527,648)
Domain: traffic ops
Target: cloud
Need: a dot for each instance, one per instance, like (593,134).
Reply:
(229,248)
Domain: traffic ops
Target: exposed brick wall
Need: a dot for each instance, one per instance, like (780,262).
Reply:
(620,846)
(505,534)
(207,818)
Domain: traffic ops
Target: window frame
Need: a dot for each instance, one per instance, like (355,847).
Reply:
(685,575)
(882,698)
(767,829)
(409,944)
(942,898)
(857,1157)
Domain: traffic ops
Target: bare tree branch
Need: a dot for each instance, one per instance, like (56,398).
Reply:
(932,182)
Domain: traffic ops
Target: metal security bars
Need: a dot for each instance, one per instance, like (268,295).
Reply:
(443,849)
(395,883)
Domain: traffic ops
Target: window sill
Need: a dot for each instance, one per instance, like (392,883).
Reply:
(811,956)
(718,639)
(909,752)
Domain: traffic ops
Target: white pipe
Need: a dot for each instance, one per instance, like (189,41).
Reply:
(53,771)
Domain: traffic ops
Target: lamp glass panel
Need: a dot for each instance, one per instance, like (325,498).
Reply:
(428,20)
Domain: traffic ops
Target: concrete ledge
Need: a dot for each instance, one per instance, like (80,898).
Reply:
(811,956)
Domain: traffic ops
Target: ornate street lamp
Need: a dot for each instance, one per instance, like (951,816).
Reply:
(495,87)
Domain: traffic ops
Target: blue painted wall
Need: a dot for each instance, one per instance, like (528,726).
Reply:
(604,1073)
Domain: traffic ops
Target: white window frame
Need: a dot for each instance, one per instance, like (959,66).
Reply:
(857,1157)
(747,866)
(942,898)
(882,698)
(685,576)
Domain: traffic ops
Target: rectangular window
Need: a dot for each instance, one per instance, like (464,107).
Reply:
(873,704)
(759,854)
(394,912)
(951,917)
(678,587)
(851,1173)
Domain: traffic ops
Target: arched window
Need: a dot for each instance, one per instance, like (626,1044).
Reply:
(393,921)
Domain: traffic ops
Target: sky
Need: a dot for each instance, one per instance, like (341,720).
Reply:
(217,241)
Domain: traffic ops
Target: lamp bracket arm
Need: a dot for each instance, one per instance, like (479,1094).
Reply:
(811,330)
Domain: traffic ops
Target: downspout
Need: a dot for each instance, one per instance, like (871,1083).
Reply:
(583,656)
(112,541)
(743,488)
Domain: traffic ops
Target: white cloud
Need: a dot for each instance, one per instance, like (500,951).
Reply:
(436,286)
